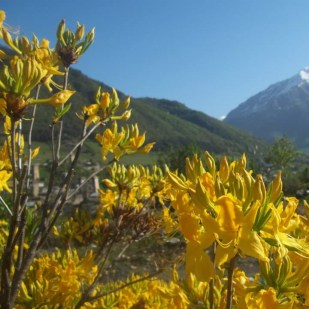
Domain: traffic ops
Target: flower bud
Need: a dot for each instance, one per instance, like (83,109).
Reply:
(90,36)
(79,33)
(57,100)
(105,100)
(108,183)
(211,164)
(126,115)
(224,170)
(45,43)
(60,32)
(126,103)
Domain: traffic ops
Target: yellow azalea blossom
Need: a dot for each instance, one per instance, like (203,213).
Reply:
(91,114)
(71,45)
(2,106)
(46,57)
(4,233)
(2,18)
(52,274)
(57,100)
(105,100)
(198,262)
(110,143)
(106,108)
(17,80)
(108,200)
(265,299)
(4,178)
(169,223)
(5,162)
(228,207)
(233,231)
(153,293)
(21,76)
(277,227)
(146,149)
(127,141)
(137,142)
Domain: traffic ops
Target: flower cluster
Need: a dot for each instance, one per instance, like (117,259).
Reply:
(222,213)
(125,141)
(56,278)
(227,213)
(105,107)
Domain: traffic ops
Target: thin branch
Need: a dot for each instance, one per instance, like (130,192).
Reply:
(65,184)
(19,134)
(79,143)
(93,298)
(229,297)
(212,254)
(89,177)
(30,137)
(22,229)
(65,86)
(53,142)
(13,160)
(101,259)
(53,220)
(6,206)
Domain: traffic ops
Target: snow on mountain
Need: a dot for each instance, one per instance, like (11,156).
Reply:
(281,109)
(304,74)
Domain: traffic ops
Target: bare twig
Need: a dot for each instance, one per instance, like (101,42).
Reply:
(212,254)
(30,137)
(13,159)
(19,140)
(6,206)
(65,86)
(93,298)
(229,298)
(89,177)
(102,260)
(79,143)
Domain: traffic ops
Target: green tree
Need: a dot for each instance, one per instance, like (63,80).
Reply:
(282,153)
(175,158)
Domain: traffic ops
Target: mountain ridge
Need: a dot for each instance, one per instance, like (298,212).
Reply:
(168,123)
(279,110)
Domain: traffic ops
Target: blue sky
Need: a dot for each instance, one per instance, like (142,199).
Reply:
(209,54)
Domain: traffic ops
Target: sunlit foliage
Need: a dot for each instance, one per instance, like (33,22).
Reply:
(55,257)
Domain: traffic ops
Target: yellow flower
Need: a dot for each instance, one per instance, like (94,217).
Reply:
(198,263)
(110,143)
(70,46)
(265,299)
(170,225)
(105,100)
(2,106)
(234,231)
(105,108)
(4,178)
(127,141)
(57,100)
(5,162)
(2,18)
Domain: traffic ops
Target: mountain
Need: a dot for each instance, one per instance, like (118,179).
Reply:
(168,123)
(281,109)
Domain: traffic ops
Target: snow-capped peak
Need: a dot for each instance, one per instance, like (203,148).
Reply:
(304,74)
(298,80)
(273,92)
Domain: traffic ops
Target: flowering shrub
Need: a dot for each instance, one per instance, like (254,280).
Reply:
(226,214)
(223,213)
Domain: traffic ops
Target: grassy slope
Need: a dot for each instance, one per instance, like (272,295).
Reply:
(168,123)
